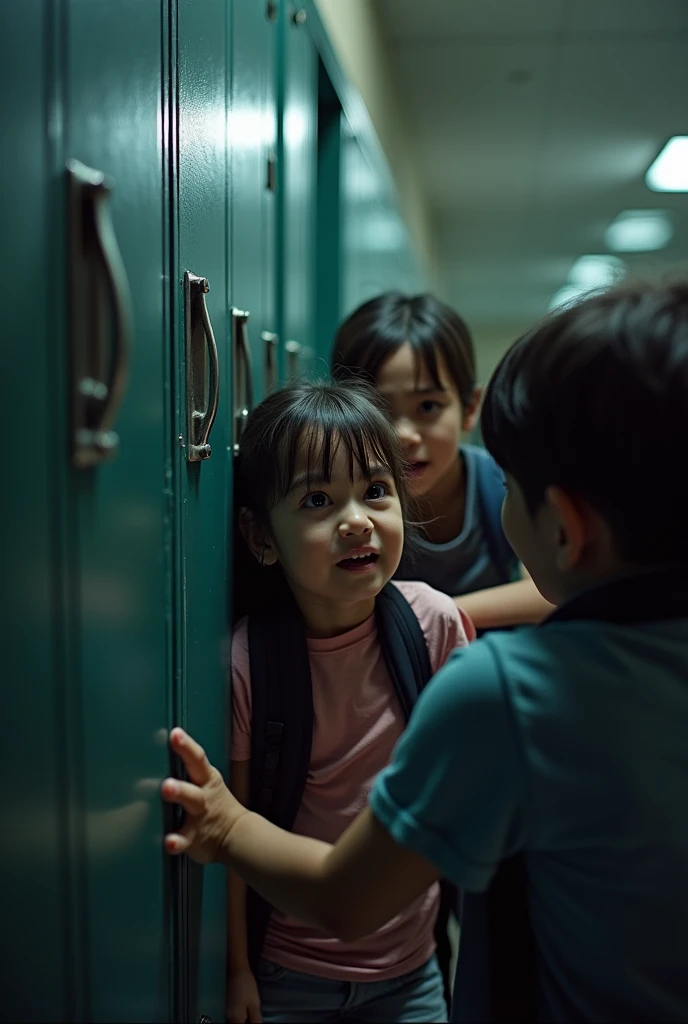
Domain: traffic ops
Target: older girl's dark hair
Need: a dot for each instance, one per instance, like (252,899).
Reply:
(382,325)
(594,399)
(316,419)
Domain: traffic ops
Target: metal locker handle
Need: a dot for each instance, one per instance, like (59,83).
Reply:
(271,342)
(97,392)
(199,422)
(243,402)
(293,350)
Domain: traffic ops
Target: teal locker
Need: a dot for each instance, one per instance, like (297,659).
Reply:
(329,206)
(130,275)
(376,251)
(116,512)
(297,165)
(38,953)
(202,470)
(254,171)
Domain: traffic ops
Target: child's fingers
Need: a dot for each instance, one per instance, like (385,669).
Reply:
(193,756)
(175,843)
(189,796)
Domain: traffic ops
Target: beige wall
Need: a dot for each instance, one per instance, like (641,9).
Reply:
(491,344)
(355,33)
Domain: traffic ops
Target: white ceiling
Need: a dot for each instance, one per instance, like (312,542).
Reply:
(535,121)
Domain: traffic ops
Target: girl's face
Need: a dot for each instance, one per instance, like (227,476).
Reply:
(429,420)
(338,542)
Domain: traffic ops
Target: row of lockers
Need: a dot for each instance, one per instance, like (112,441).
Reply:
(186,213)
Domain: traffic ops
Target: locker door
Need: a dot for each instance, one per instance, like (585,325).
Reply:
(37,951)
(298,160)
(203,378)
(117,510)
(330,206)
(253,140)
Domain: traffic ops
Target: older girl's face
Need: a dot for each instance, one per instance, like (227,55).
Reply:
(429,421)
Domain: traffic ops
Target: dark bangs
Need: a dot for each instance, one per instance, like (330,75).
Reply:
(311,422)
(378,328)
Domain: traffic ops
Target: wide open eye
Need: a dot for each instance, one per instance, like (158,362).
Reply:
(318,499)
(377,491)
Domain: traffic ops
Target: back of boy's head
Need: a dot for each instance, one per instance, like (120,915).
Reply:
(311,421)
(374,332)
(594,399)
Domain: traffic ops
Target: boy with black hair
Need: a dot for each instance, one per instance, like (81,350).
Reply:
(563,744)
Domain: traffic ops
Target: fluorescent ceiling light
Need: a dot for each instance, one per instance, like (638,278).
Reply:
(595,272)
(639,231)
(669,172)
(566,296)
(588,273)
(382,232)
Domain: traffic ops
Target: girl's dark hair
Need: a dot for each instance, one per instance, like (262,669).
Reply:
(382,325)
(594,399)
(317,418)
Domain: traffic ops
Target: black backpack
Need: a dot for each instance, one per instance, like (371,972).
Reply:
(282,726)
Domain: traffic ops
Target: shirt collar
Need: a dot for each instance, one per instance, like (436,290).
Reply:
(651,596)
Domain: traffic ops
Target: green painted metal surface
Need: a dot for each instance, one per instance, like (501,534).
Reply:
(32,858)
(117,577)
(112,89)
(298,166)
(254,178)
(328,268)
(203,487)
(376,250)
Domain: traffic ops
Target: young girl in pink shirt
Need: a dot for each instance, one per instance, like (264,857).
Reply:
(322,492)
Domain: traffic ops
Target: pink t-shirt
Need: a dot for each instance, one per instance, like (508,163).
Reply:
(357,721)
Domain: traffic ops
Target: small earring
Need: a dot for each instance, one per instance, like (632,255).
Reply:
(261,558)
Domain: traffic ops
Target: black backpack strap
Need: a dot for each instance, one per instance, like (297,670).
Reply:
(403,646)
(497,973)
(281,732)
(408,663)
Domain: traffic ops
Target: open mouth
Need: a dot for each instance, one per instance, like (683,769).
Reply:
(359,563)
(415,469)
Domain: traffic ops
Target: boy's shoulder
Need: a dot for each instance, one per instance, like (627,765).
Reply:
(536,649)
(551,668)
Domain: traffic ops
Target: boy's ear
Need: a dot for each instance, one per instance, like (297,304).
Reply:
(257,538)
(472,410)
(571,523)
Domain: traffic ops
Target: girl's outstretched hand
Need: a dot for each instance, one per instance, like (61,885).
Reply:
(211,810)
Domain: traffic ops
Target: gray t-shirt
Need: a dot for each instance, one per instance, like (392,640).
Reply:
(463,564)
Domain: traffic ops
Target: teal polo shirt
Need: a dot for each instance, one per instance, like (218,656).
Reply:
(562,750)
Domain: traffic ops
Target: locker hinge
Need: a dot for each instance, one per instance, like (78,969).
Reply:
(271,173)
(271,10)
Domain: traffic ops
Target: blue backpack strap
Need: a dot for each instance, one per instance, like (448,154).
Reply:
(490,486)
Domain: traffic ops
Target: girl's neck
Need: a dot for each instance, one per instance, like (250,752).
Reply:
(444,507)
(324,620)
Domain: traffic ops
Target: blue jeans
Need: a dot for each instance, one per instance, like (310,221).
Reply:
(288,997)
